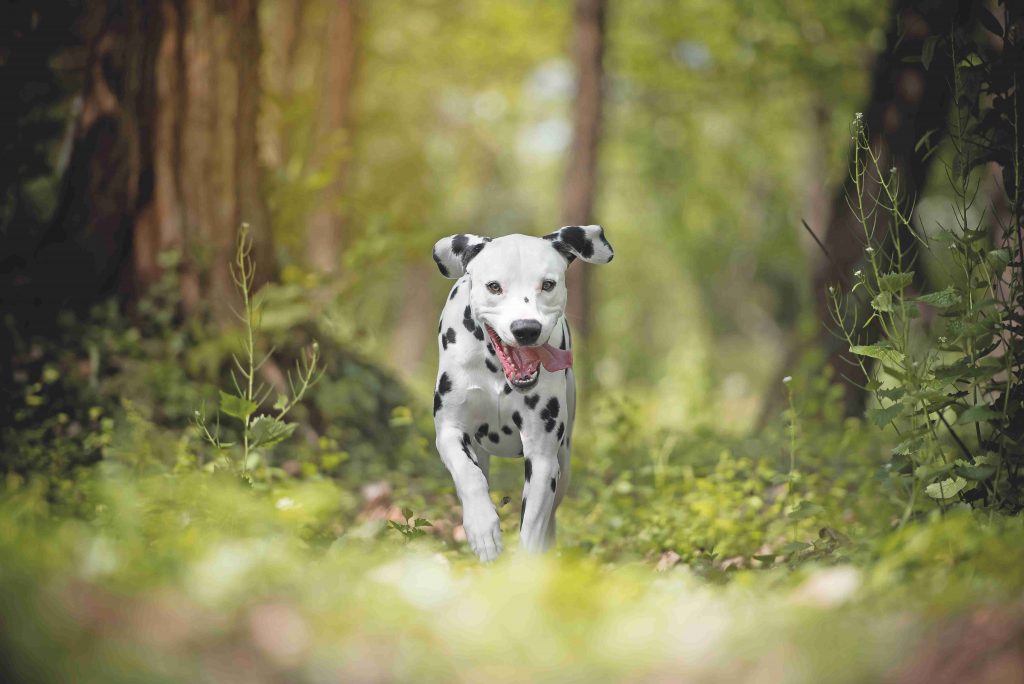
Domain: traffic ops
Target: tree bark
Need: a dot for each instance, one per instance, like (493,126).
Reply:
(326,224)
(164,156)
(580,184)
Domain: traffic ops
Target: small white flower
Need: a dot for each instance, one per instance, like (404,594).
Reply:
(870,250)
(858,273)
(892,170)
(788,379)
(831,290)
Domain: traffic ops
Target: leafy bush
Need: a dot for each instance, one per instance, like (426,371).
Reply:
(947,363)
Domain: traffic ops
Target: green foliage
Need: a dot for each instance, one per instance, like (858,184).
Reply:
(946,371)
(266,430)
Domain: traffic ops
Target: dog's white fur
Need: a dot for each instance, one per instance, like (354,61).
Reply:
(477,412)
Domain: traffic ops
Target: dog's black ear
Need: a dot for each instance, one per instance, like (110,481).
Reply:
(586,242)
(453,253)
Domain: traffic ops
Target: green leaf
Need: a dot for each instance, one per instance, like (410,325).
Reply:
(236,407)
(804,510)
(892,394)
(407,513)
(895,282)
(882,352)
(943,299)
(422,522)
(998,259)
(928,51)
(882,301)
(267,431)
(978,413)
(883,416)
(946,489)
(793,547)
(907,446)
(281,403)
(976,472)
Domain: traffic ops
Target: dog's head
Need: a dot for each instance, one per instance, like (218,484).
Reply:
(517,287)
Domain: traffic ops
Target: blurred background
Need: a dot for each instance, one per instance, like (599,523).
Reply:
(351,135)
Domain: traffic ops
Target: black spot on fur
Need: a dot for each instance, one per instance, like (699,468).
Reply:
(522,513)
(469,324)
(493,437)
(561,431)
(481,432)
(517,419)
(468,313)
(553,484)
(455,291)
(549,425)
(490,349)
(576,237)
(531,402)
(490,366)
(444,384)
(459,243)
(437,403)
(552,408)
(506,429)
(526,299)
(449,336)
(473,250)
(479,334)
(528,468)
(508,388)
(440,266)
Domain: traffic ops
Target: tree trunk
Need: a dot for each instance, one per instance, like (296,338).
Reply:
(326,224)
(907,102)
(164,155)
(579,188)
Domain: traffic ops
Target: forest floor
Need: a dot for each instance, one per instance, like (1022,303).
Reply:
(789,555)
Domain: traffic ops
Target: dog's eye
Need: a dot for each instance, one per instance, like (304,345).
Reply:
(494,287)
(548,285)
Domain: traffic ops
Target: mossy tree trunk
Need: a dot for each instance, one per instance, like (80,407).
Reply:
(164,155)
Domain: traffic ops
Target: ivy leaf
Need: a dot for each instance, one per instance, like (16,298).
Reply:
(237,407)
(895,282)
(943,299)
(883,416)
(892,393)
(946,489)
(978,413)
(267,431)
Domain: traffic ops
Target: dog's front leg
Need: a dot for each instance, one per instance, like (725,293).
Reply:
(542,475)
(479,518)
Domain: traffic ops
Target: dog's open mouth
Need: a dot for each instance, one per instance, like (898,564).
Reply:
(522,364)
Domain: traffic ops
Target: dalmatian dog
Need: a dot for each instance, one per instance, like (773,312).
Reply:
(505,384)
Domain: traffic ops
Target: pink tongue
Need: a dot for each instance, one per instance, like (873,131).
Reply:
(552,358)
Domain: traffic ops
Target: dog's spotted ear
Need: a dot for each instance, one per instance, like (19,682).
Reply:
(453,253)
(586,242)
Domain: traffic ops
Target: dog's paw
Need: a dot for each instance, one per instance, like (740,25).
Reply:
(483,532)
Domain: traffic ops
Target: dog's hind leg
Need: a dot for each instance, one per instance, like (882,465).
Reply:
(479,517)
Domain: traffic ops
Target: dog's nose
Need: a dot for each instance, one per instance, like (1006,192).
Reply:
(525,331)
